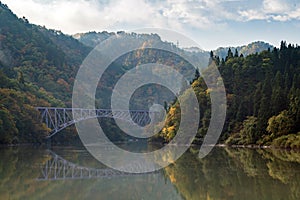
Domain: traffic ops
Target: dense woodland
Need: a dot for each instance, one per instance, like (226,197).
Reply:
(263,99)
(38,67)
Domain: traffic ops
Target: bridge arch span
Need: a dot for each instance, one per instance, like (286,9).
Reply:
(57,119)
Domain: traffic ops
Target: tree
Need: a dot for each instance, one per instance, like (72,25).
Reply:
(236,54)
(281,124)
(197,75)
(247,135)
(294,107)
(8,130)
(278,99)
(229,55)
(21,78)
(211,54)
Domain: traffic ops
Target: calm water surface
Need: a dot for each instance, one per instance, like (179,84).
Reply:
(70,173)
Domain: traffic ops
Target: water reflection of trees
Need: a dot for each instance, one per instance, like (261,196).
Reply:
(20,167)
(16,172)
(223,174)
(284,165)
(237,174)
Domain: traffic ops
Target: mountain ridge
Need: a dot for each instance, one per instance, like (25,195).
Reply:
(247,49)
(94,38)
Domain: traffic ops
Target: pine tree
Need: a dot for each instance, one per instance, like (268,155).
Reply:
(236,54)
(229,55)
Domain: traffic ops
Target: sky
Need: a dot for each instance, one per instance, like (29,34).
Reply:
(210,23)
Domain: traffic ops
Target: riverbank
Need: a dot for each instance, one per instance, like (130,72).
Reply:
(157,144)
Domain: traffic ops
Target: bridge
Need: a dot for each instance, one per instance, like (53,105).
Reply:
(57,168)
(57,119)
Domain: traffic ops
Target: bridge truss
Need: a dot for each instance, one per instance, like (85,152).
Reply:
(57,119)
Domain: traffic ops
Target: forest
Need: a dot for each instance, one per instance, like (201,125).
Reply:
(38,67)
(263,99)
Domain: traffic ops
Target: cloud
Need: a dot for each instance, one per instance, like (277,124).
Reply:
(62,15)
(276,6)
(276,10)
(248,15)
(83,15)
(73,16)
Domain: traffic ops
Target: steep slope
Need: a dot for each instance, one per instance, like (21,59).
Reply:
(46,58)
(263,102)
(37,68)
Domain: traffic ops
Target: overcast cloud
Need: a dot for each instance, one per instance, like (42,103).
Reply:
(191,17)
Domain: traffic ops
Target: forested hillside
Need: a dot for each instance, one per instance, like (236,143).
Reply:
(40,65)
(263,97)
(37,68)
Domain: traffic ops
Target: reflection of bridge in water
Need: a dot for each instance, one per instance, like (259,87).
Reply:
(57,168)
(56,119)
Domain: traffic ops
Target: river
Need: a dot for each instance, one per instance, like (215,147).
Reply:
(226,173)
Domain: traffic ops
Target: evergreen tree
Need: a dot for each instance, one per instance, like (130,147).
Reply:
(236,54)
(229,55)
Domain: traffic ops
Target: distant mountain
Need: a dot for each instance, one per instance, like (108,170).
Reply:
(92,39)
(194,50)
(252,48)
(144,54)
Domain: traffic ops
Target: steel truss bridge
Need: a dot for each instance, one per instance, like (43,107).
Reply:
(56,119)
(57,168)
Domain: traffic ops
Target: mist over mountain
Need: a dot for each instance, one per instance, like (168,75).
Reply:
(92,39)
